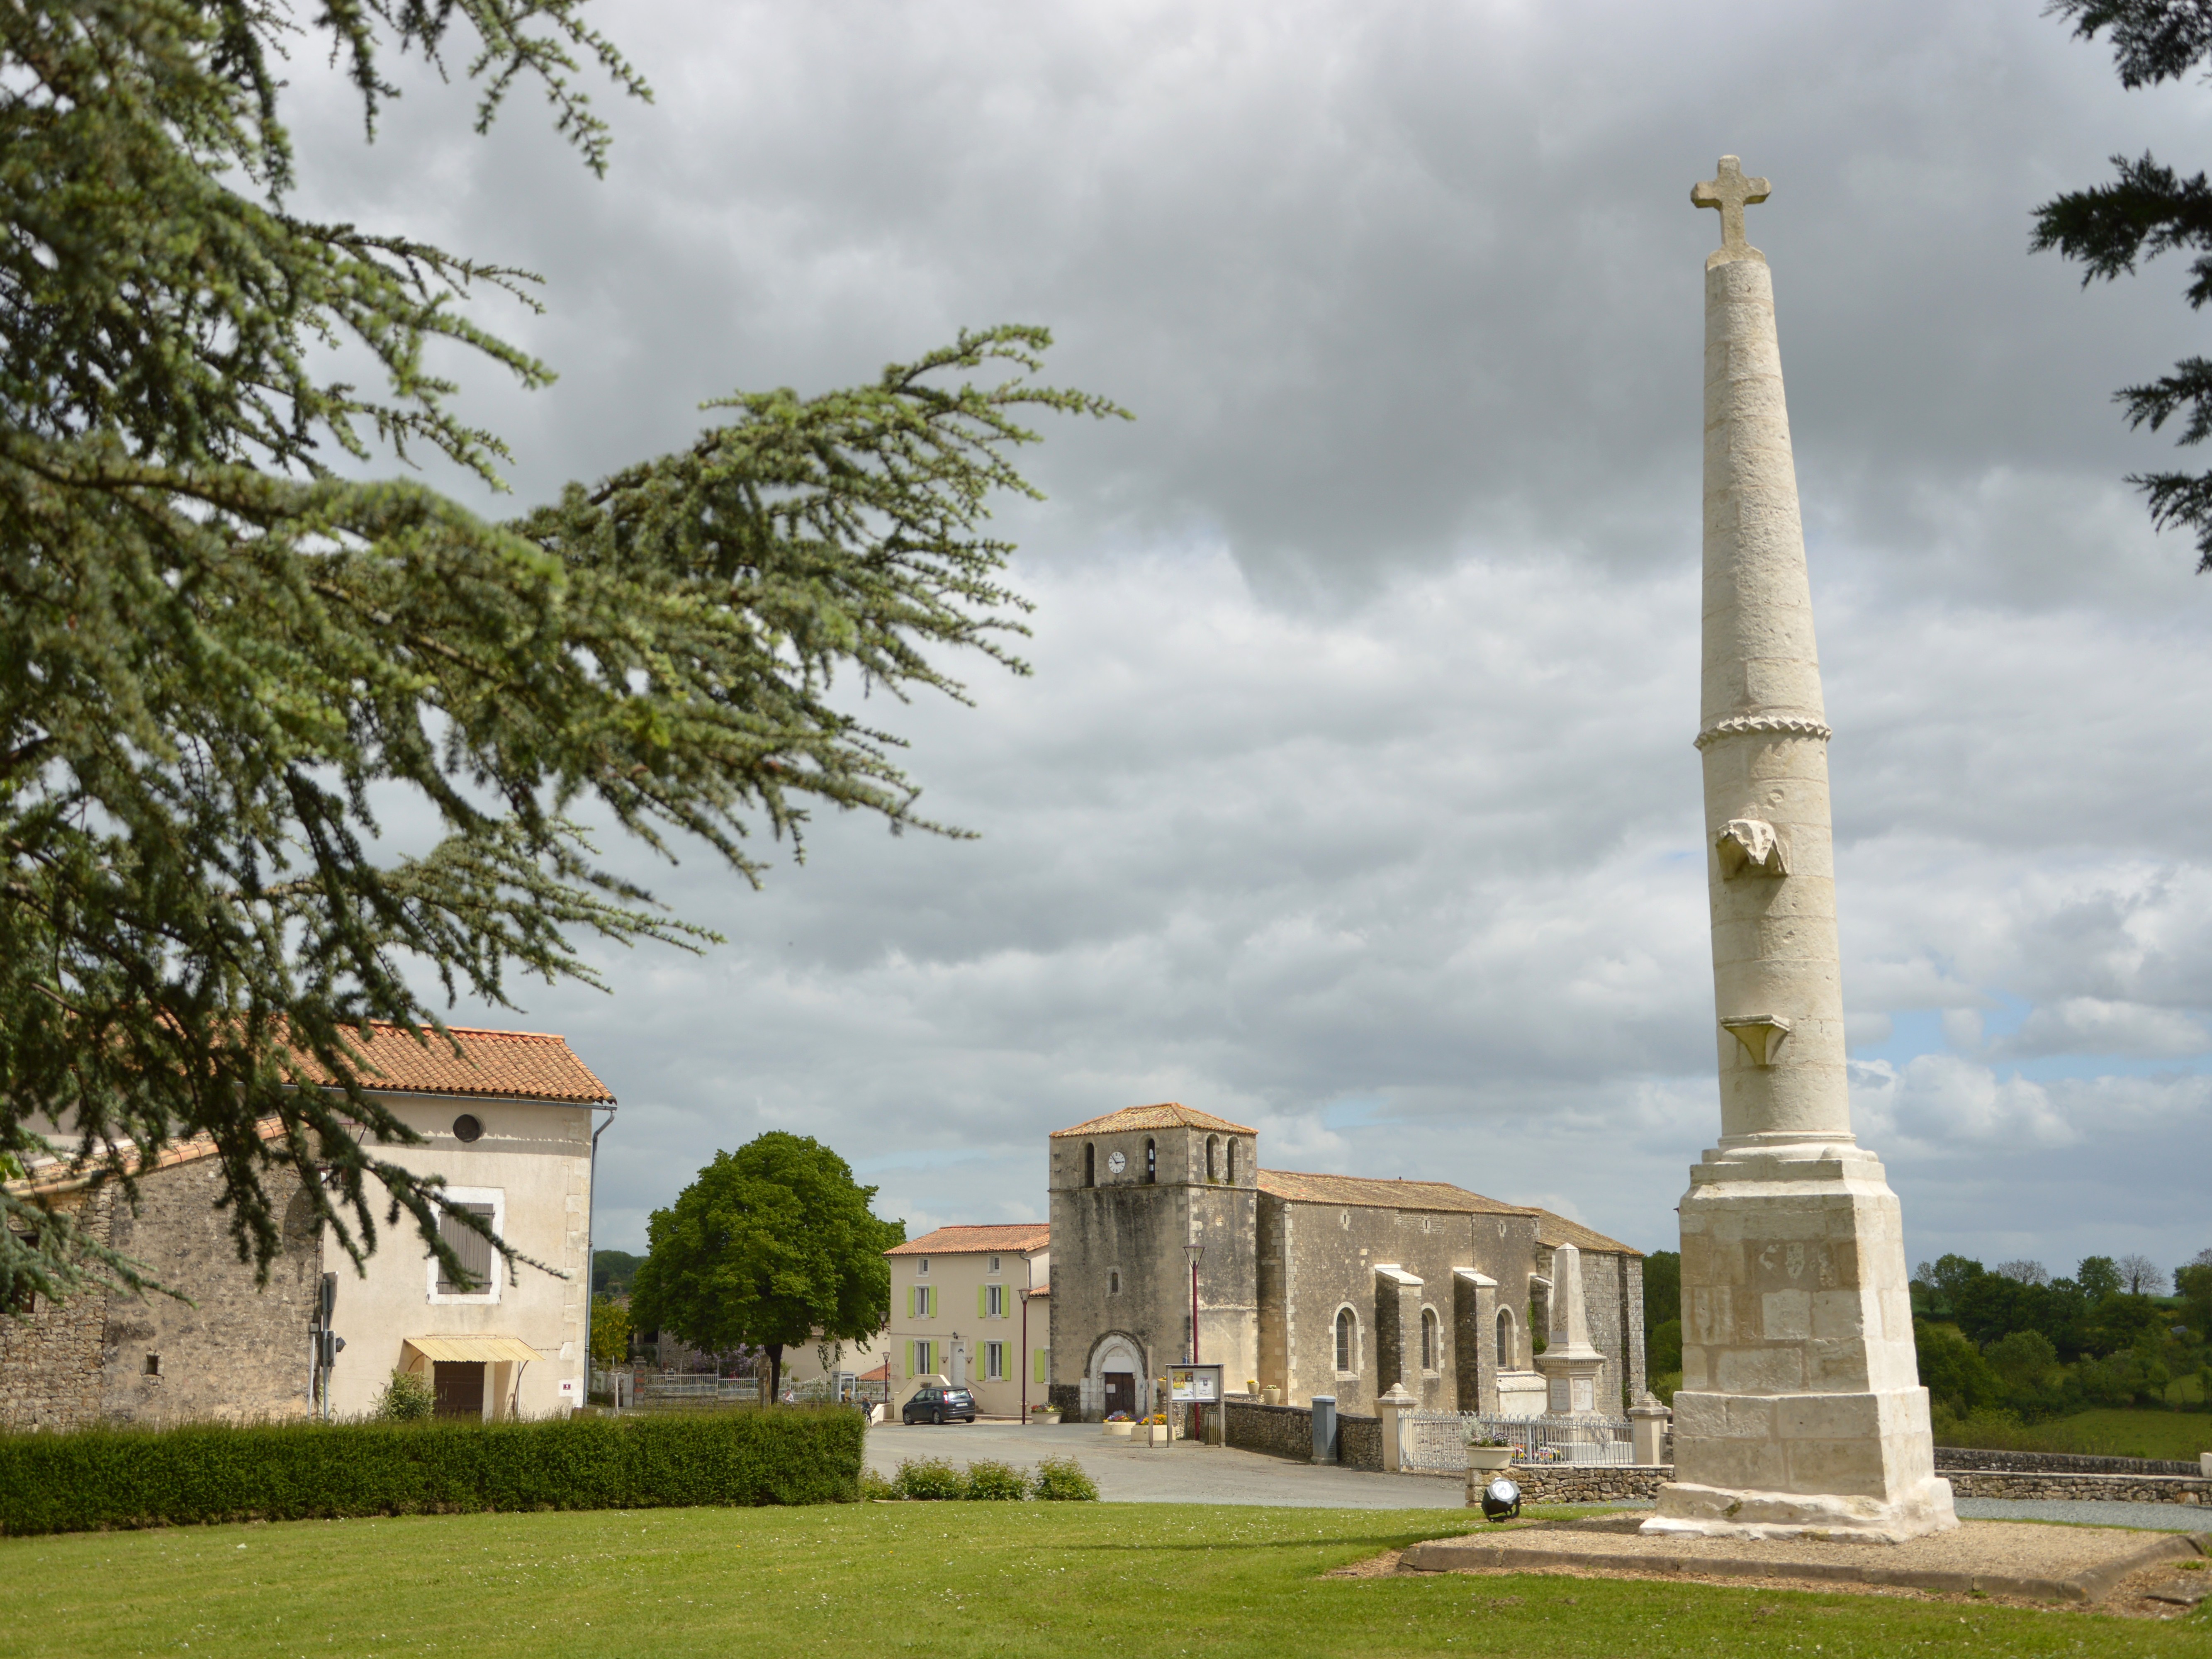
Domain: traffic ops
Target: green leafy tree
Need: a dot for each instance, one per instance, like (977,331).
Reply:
(773,1245)
(1947,1278)
(609,1329)
(2148,209)
(1953,1369)
(221,651)
(1662,1289)
(2099,1276)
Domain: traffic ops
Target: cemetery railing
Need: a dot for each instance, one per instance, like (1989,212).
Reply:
(1439,1440)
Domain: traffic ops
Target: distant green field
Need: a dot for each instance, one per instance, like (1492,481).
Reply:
(963,1580)
(2106,1433)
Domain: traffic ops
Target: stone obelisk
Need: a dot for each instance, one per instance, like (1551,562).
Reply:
(1801,1408)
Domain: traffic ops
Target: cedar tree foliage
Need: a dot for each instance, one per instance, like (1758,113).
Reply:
(2148,209)
(222,655)
(771,1244)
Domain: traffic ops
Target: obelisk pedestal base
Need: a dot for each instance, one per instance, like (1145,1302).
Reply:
(1801,1409)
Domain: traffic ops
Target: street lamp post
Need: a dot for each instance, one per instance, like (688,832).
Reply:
(1195,1250)
(1023,1292)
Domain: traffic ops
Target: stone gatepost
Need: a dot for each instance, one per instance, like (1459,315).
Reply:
(1648,1421)
(1393,1406)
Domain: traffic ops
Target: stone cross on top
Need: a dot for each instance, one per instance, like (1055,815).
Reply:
(1730,193)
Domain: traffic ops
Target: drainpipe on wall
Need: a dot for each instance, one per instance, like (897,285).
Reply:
(590,1209)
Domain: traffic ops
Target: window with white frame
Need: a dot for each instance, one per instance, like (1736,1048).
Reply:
(481,1268)
(921,1302)
(994,1301)
(995,1362)
(919,1365)
(1347,1340)
(995,1264)
(923,1266)
(1432,1348)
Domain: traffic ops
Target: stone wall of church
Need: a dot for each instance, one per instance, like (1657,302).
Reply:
(1317,1260)
(50,1350)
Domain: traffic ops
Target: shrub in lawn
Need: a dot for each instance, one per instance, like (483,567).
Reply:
(930,1478)
(997,1482)
(408,1398)
(1061,1480)
(91,1479)
(874,1488)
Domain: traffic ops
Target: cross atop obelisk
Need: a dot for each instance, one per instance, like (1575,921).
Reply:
(1730,193)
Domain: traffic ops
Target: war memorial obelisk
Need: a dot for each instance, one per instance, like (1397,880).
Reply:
(1801,1409)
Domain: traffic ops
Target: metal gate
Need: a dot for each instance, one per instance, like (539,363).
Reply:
(1439,1440)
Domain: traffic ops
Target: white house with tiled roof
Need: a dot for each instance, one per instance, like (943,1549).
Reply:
(509,1122)
(967,1305)
(1311,1284)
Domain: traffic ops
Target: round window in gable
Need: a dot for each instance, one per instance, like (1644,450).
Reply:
(467,1127)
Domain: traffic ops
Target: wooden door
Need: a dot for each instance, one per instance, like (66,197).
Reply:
(1122,1392)
(460,1387)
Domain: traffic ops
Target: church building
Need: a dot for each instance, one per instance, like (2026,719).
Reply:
(1317,1283)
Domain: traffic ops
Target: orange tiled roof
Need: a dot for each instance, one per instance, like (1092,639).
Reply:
(1553,1231)
(1360,1190)
(1166,1115)
(509,1065)
(1010,1239)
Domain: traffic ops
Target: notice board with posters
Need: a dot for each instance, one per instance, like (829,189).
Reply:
(1195,1385)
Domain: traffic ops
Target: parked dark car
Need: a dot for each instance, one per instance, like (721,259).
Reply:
(934,1404)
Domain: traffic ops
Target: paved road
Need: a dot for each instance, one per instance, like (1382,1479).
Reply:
(1184,1473)
(1177,1473)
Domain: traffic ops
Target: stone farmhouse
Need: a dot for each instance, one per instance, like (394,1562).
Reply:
(1314,1284)
(507,1123)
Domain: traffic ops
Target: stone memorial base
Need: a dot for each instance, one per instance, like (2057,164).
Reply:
(2018,1559)
(1801,1409)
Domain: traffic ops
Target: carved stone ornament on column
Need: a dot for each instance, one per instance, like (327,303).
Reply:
(1751,846)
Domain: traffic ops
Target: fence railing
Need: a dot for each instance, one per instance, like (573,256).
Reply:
(1439,1440)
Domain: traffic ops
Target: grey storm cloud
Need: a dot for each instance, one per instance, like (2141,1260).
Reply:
(1353,795)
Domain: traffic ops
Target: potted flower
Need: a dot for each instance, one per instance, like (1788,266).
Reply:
(1157,1430)
(1489,1453)
(1044,1414)
(1120,1423)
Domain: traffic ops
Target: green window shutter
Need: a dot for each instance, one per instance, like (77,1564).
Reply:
(982,1300)
(1036,1363)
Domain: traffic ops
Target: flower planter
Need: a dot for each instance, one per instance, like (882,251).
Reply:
(1160,1434)
(1122,1429)
(1489,1457)
(1045,1417)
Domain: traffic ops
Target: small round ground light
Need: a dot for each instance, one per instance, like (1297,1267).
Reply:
(1501,1500)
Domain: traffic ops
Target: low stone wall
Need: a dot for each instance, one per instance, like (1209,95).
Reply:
(1948,1458)
(1613,1483)
(1287,1431)
(1575,1483)
(1358,1442)
(2097,1488)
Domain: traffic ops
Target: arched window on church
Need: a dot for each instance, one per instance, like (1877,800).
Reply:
(1345,1324)
(1505,1351)
(1152,1162)
(1089,1164)
(1214,1158)
(1431,1350)
(1232,1163)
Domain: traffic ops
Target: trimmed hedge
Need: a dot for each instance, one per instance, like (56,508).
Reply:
(90,1478)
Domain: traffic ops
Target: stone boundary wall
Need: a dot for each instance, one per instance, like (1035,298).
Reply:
(2105,1488)
(1613,1483)
(1287,1431)
(1948,1458)
(1575,1483)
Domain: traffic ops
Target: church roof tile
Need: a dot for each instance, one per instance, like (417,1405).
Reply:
(1553,1231)
(1382,1195)
(1167,1116)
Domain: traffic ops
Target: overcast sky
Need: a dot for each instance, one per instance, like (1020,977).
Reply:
(1353,796)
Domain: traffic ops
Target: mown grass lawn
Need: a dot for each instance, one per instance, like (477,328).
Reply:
(2108,1432)
(966,1579)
